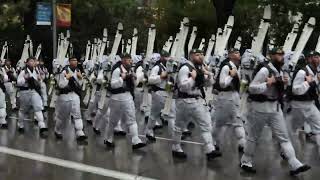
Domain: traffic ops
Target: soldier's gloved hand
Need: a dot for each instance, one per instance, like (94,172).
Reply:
(233,72)
(309,78)
(285,79)
(123,76)
(79,75)
(163,75)
(270,81)
(193,74)
(68,76)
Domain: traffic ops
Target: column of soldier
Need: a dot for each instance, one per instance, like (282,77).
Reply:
(213,92)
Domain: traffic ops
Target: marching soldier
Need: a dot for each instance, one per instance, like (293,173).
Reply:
(158,80)
(121,102)
(190,103)
(103,111)
(44,73)
(140,74)
(68,101)
(265,93)
(10,88)
(305,94)
(228,101)
(3,113)
(30,96)
(93,102)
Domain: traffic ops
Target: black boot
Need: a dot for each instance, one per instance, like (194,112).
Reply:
(138,146)
(58,136)
(240,149)
(119,133)
(82,138)
(213,154)
(21,130)
(109,144)
(187,133)
(4,126)
(43,132)
(151,138)
(299,170)
(97,131)
(179,155)
(89,122)
(248,169)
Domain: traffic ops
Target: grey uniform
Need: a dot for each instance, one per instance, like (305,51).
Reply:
(227,105)
(93,103)
(29,98)
(302,104)
(68,103)
(102,115)
(192,108)
(267,112)
(10,89)
(159,96)
(43,71)
(139,93)
(3,112)
(122,108)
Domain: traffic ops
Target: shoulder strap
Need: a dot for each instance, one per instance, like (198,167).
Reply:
(158,63)
(269,69)
(138,64)
(66,68)
(188,65)
(115,66)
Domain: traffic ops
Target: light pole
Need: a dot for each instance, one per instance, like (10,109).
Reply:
(54,29)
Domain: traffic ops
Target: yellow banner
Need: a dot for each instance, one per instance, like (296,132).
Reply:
(63,15)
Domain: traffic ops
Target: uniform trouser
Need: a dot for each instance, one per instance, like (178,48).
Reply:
(93,106)
(30,100)
(3,112)
(195,109)
(158,103)
(11,92)
(138,94)
(68,105)
(147,109)
(103,115)
(255,125)
(44,94)
(309,113)
(124,111)
(228,115)
(244,106)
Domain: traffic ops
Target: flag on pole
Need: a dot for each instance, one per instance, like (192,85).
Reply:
(63,15)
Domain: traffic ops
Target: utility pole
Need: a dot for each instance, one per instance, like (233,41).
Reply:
(54,29)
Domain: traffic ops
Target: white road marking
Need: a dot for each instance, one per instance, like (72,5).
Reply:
(160,138)
(168,139)
(72,165)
